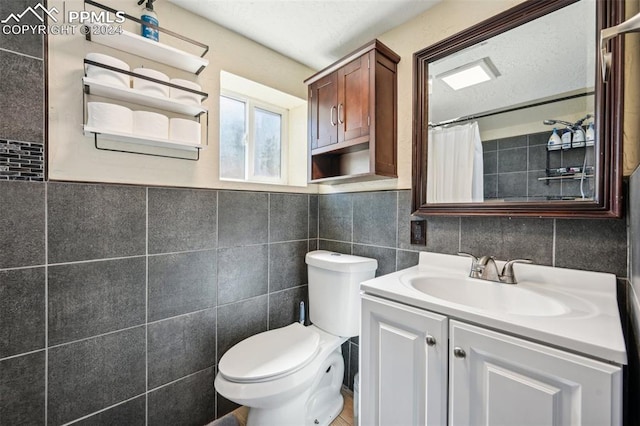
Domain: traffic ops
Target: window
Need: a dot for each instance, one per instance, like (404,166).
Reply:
(253,139)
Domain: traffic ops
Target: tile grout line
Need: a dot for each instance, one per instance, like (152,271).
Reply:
(146,304)
(74,421)
(84,339)
(553,245)
(79,262)
(527,175)
(268,254)
(215,355)
(22,54)
(459,234)
(46,304)
(352,243)
(35,351)
(143,324)
(352,219)
(398,227)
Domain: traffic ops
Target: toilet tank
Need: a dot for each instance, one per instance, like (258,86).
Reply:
(334,290)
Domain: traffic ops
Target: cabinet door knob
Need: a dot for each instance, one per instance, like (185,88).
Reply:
(458,352)
(431,341)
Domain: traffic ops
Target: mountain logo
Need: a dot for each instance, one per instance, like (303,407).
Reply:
(34,11)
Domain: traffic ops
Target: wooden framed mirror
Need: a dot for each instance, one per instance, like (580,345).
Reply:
(529,53)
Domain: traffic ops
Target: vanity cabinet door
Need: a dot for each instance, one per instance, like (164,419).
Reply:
(403,369)
(497,379)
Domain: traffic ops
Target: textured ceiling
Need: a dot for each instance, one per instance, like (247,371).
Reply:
(542,59)
(315,33)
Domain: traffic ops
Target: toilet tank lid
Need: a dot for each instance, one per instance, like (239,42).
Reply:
(340,262)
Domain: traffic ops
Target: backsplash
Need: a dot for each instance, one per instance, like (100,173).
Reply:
(118,301)
(376,224)
(22,97)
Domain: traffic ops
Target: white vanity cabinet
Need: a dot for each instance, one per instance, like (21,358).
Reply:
(482,376)
(404,354)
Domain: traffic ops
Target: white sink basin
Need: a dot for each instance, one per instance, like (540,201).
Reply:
(567,308)
(488,296)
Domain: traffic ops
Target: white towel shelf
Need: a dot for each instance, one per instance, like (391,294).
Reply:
(141,140)
(99,88)
(137,45)
(143,47)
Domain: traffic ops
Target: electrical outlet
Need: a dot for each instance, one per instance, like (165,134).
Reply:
(419,232)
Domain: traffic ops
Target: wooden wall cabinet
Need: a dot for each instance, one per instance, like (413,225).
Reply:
(353,117)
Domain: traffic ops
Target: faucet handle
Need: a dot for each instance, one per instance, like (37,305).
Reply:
(462,253)
(507,274)
(476,267)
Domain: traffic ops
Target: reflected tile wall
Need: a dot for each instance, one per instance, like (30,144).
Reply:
(513,168)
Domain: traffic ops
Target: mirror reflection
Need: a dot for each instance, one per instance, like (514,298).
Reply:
(512,118)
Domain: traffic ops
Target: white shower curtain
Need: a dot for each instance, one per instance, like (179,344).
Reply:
(454,165)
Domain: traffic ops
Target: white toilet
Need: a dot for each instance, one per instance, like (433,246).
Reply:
(292,375)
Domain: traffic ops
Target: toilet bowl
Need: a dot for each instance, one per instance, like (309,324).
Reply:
(293,375)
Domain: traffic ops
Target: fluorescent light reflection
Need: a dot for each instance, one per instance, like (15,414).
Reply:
(470,74)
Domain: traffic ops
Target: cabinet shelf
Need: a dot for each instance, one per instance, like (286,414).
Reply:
(98,88)
(145,48)
(141,140)
(343,148)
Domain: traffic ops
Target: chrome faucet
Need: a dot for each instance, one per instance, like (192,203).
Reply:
(485,268)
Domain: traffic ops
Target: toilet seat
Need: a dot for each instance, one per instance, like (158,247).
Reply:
(271,354)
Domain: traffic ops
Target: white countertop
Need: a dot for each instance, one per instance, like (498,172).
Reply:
(590,326)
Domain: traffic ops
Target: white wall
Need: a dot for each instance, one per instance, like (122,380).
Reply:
(72,155)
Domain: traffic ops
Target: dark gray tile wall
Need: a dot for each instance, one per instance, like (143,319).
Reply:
(599,245)
(513,165)
(22,223)
(191,398)
(92,298)
(21,99)
(95,222)
(88,375)
(116,302)
(22,310)
(22,381)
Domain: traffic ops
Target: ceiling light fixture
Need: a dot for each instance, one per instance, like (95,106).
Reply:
(470,74)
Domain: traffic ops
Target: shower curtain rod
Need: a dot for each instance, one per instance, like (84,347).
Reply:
(488,114)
